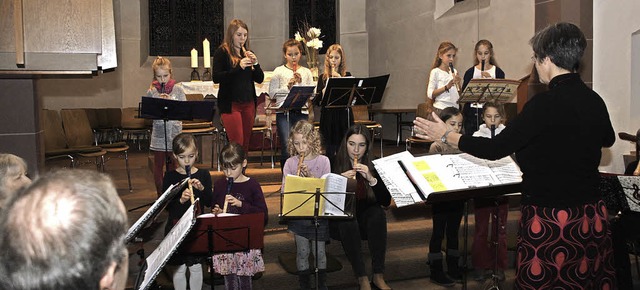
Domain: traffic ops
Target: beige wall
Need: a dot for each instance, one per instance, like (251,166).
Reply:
(379,37)
(616,71)
(403,40)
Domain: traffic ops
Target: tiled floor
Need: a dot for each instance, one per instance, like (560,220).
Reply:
(409,230)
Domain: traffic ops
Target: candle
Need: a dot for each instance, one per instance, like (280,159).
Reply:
(207,53)
(194,58)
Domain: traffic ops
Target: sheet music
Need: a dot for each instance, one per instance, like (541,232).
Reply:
(396,181)
(168,246)
(160,202)
(334,183)
(631,187)
(210,215)
(439,173)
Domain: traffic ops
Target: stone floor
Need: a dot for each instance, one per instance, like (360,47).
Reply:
(409,230)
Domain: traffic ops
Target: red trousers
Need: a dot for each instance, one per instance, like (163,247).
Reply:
(239,123)
(483,251)
(159,161)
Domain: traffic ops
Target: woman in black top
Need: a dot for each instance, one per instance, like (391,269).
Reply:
(334,122)
(564,240)
(353,162)
(236,68)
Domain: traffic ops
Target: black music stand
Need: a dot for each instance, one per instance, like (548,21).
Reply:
(302,210)
(465,195)
(160,256)
(152,213)
(219,234)
(347,92)
(296,99)
(165,109)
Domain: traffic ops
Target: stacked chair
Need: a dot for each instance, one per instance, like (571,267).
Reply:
(77,128)
(57,143)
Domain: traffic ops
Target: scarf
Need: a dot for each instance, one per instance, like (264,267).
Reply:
(168,86)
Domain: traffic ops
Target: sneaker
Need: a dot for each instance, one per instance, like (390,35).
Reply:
(500,275)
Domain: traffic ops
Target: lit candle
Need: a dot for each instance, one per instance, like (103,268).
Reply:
(207,53)
(194,58)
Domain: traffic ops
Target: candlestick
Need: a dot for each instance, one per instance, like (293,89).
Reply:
(195,75)
(194,58)
(206,75)
(207,53)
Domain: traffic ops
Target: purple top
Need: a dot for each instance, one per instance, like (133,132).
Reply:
(249,192)
(318,166)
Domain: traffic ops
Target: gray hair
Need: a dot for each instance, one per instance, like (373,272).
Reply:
(564,44)
(63,232)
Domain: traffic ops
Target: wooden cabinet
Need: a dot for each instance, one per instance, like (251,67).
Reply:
(56,36)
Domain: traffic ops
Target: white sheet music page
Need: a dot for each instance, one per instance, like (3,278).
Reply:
(334,183)
(168,246)
(397,182)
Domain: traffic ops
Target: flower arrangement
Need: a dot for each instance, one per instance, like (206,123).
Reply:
(310,39)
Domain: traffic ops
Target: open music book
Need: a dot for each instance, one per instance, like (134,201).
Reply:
(298,199)
(411,179)
(160,256)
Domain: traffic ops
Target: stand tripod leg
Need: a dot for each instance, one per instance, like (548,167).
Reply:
(495,280)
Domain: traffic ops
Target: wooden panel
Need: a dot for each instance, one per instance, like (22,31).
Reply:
(108,57)
(62,26)
(7,30)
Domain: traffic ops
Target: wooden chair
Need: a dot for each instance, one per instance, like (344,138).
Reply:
(423,111)
(134,127)
(79,133)
(361,116)
(57,142)
(263,125)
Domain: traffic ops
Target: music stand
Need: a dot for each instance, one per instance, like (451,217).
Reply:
(295,99)
(160,256)
(465,195)
(301,207)
(165,109)
(500,91)
(156,208)
(347,92)
(224,233)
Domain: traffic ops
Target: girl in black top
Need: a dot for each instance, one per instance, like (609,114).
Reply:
(334,122)
(186,153)
(485,66)
(353,162)
(236,68)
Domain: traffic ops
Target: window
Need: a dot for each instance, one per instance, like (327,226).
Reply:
(177,26)
(317,13)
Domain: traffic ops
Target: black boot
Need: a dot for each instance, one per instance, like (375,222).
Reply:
(304,279)
(453,267)
(437,273)
(322,280)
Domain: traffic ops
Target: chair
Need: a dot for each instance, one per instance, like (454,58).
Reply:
(264,126)
(57,145)
(132,126)
(79,133)
(105,124)
(423,112)
(361,116)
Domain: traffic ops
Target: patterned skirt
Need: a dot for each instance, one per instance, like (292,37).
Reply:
(239,263)
(565,248)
